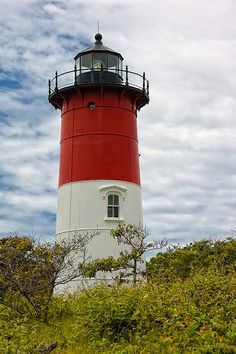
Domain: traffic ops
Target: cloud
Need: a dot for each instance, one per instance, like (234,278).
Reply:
(187,132)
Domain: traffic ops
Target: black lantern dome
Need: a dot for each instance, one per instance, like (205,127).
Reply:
(99,63)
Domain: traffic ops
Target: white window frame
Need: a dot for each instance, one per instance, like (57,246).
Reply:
(113,190)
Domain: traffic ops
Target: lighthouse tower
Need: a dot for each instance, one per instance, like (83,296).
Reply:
(99,178)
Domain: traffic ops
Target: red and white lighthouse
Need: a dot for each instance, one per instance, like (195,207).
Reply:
(99,178)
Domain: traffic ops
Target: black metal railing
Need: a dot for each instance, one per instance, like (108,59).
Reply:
(80,77)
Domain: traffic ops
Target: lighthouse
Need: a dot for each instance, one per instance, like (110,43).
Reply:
(99,174)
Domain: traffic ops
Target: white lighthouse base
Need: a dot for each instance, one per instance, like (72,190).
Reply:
(83,208)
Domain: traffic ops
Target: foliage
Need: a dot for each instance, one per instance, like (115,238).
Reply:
(135,237)
(30,271)
(181,261)
(189,313)
(194,313)
(130,263)
(108,264)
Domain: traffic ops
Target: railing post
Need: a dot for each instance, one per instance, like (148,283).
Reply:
(49,88)
(75,73)
(144,82)
(56,87)
(126,75)
(148,88)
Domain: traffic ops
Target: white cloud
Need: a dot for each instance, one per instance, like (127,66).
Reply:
(187,133)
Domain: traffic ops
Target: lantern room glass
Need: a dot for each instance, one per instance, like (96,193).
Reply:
(99,61)
(113,63)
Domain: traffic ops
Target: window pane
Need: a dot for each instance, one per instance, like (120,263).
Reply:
(86,61)
(110,212)
(116,200)
(110,199)
(120,64)
(99,61)
(112,62)
(78,63)
(116,212)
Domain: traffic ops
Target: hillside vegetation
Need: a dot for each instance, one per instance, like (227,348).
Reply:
(188,305)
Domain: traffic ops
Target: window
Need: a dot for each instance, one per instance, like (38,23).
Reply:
(113,63)
(113,206)
(99,61)
(113,202)
(91,106)
(86,62)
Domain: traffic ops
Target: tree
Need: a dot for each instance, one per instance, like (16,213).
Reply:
(135,237)
(30,271)
(131,262)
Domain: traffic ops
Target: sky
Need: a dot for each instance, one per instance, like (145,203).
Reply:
(187,133)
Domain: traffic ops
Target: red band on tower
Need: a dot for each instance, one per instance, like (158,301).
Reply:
(99,143)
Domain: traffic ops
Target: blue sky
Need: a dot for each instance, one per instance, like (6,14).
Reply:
(187,133)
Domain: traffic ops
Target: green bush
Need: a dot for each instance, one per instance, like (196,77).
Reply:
(191,313)
(182,261)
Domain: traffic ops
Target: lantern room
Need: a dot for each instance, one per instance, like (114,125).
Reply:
(99,64)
